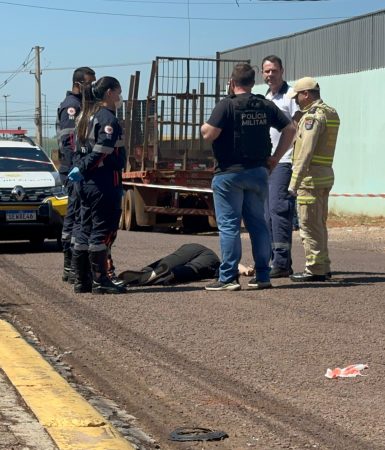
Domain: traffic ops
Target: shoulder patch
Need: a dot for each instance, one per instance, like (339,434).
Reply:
(320,114)
(309,123)
(71,111)
(108,129)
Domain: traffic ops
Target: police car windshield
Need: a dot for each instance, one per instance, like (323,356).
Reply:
(22,159)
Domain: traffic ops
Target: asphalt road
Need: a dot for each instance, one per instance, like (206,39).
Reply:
(249,363)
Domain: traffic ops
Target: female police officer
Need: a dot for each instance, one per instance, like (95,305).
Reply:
(98,171)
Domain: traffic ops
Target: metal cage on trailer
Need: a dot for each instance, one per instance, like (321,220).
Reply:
(169,166)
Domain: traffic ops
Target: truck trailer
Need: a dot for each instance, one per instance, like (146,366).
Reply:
(167,179)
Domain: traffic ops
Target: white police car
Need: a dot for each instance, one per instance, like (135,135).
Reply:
(32,201)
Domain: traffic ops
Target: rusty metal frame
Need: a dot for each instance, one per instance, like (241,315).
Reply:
(180,97)
(186,89)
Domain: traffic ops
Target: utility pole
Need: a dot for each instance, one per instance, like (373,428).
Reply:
(38,118)
(44,123)
(6,110)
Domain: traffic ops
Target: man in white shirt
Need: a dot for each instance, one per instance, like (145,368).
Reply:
(280,204)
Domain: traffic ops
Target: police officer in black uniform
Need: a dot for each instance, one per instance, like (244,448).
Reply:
(67,113)
(239,129)
(99,173)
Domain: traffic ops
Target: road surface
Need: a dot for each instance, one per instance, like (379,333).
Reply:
(249,363)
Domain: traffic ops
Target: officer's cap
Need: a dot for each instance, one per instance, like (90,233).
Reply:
(303,84)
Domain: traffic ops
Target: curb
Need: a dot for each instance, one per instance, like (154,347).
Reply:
(72,423)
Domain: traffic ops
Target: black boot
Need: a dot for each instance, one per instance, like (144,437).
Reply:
(145,277)
(71,275)
(81,264)
(111,272)
(67,264)
(101,283)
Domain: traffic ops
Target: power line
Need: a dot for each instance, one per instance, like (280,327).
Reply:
(96,66)
(22,110)
(212,19)
(22,68)
(24,102)
(250,3)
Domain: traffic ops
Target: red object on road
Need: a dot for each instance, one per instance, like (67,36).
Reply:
(347,372)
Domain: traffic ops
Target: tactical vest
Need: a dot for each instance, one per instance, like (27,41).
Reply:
(251,128)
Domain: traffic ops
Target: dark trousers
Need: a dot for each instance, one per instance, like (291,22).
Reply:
(191,262)
(100,215)
(279,212)
(71,223)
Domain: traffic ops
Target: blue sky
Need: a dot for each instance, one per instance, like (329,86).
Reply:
(117,37)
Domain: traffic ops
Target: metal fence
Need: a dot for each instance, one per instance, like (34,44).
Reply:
(186,91)
(164,130)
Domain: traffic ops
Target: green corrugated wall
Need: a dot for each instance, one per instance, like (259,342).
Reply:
(359,164)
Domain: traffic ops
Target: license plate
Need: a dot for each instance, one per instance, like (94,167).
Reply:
(20,216)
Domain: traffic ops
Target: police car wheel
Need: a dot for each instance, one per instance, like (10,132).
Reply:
(59,243)
(37,242)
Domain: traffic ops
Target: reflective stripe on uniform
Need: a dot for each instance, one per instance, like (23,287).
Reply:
(332,123)
(65,132)
(322,160)
(317,182)
(97,247)
(98,148)
(65,236)
(306,200)
(321,258)
(278,245)
(80,247)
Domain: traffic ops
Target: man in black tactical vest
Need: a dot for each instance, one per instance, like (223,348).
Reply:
(239,129)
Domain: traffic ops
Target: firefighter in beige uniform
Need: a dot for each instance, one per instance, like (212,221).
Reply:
(313,175)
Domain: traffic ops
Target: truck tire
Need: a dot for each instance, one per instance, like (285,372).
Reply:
(213,222)
(122,221)
(129,213)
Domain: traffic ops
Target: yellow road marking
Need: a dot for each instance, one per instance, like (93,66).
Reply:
(71,422)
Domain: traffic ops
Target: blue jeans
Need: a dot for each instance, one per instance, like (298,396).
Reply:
(240,196)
